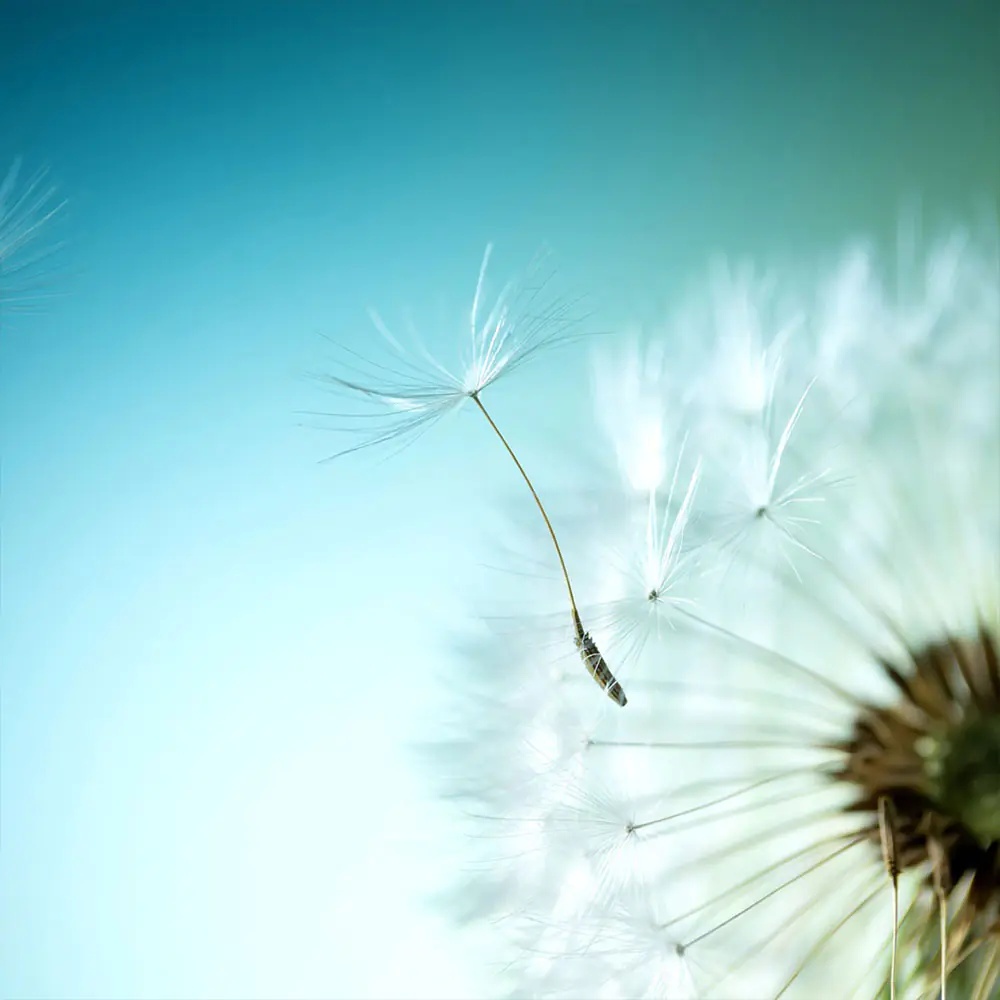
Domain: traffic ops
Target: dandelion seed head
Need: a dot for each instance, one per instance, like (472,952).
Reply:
(803,592)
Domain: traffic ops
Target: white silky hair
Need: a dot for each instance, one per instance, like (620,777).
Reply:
(695,843)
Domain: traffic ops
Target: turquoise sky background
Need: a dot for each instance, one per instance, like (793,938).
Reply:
(214,649)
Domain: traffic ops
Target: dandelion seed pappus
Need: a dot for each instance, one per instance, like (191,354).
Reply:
(798,580)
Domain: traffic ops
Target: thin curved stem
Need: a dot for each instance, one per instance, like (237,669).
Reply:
(541,508)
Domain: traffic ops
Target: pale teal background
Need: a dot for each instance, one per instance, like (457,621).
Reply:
(213,647)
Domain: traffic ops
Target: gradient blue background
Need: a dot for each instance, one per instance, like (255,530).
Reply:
(214,648)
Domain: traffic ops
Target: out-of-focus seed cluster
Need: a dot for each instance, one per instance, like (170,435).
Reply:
(807,501)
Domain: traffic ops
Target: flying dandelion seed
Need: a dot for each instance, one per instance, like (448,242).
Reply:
(396,399)
(25,209)
(804,798)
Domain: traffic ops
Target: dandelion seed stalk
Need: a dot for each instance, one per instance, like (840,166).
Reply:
(592,658)
(887,834)
(541,507)
(938,862)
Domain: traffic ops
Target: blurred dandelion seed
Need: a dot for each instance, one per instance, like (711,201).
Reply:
(25,209)
(820,719)
(403,400)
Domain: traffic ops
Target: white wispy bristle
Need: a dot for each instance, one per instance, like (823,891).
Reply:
(809,479)
(398,389)
(26,208)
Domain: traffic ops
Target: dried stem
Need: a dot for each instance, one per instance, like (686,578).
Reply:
(887,832)
(938,874)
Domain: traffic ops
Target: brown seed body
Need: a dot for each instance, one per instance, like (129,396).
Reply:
(596,664)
